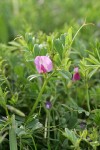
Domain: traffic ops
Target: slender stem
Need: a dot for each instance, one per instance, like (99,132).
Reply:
(39,97)
(34,143)
(45,129)
(87,97)
(48,142)
(54,125)
(84,24)
(6,111)
(40,94)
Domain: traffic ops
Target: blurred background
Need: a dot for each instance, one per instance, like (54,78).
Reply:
(20,16)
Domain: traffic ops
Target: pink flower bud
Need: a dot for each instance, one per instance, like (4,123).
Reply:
(43,64)
(76,75)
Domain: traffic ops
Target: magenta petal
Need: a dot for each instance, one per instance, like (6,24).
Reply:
(43,69)
(76,76)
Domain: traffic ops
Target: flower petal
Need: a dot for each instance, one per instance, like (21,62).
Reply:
(43,64)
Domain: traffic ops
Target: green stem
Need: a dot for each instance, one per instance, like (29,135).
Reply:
(34,143)
(87,97)
(84,24)
(48,142)
(7,114)
(39,97)
(45,129)
(40,94)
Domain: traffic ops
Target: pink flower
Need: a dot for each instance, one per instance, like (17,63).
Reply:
(76,75)
(43,64)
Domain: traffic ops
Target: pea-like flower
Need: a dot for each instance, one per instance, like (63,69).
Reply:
(83,125)
(76,75)
(43,64)
(48,104)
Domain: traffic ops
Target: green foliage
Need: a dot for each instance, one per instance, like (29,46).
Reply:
(90,65)
(21,87)
(71,136)
(43,28)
